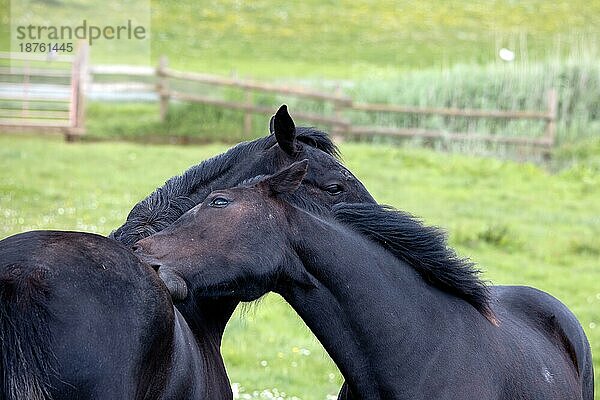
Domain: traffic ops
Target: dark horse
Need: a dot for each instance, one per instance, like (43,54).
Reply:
(82,318)
(371,290)
(328,183)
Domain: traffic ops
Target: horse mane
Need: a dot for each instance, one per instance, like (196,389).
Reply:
(422,247)
(177,190)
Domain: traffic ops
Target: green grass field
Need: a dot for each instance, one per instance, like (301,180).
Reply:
(522,224)
(343,38)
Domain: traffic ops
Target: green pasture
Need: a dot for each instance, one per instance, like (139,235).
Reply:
(349,38)
(519,222)
(341,38)
(359,38)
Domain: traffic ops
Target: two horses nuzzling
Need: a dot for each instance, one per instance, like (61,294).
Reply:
(71,326)
(398,311)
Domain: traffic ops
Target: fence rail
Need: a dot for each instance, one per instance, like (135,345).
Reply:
(547,140)
(164,73)
(452,112)
(165,83)
(250,85)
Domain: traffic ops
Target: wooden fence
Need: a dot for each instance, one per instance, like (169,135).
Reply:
(344,105)
(161,82)
(165,74)
(42,92)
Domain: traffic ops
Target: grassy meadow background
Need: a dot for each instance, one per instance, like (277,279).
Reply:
(523,223)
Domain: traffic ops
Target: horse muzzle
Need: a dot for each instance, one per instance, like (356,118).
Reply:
(175,283)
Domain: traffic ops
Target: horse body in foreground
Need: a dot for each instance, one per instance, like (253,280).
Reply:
(82,318)
(396,322)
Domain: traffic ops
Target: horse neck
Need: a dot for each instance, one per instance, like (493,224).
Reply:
(198,353)
(207,319)
(361,302)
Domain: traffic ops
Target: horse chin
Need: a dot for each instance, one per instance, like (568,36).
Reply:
(175,283)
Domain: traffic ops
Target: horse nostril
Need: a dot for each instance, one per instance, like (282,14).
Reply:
(139,247)
(145,256)
(155,266)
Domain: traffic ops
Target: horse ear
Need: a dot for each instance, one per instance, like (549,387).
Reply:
(282,125)
(272,125)
(287,180)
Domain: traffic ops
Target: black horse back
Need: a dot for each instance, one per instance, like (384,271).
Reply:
(80,317)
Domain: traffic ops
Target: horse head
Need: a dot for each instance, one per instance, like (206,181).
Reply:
(231,245)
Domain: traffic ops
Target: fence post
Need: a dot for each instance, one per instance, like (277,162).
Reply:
(78,89)
(552,115)
(340,129)
(248,114)
(163,87)
(26,84)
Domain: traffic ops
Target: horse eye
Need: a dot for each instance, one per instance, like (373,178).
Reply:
(219,202)
(334,189)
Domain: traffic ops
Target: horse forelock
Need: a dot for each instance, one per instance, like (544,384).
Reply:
(252,181)
(422,247)
(317,139)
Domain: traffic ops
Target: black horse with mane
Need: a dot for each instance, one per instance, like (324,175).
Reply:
(401,315)
(328,183)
